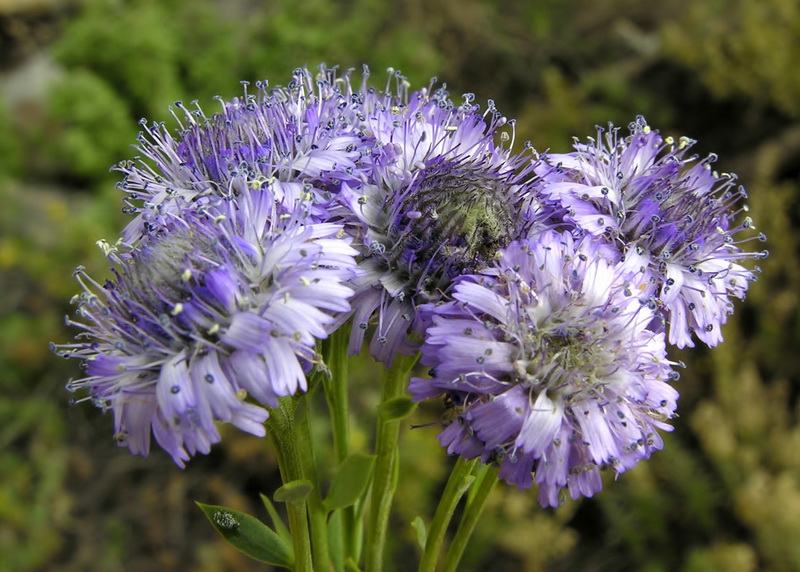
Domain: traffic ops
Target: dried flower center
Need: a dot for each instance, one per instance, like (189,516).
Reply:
(451,222)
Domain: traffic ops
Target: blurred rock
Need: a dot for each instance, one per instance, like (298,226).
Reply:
(28,25)
(29,80)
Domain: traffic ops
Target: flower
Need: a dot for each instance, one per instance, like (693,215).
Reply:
(441,197)
(549,366)
(207,309)
(294,140)
(668,214)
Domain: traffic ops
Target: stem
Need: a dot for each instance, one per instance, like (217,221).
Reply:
(487,477)
(336,390)
(459,481)
(384,480)
(317,515)
(281,429)
(336,393)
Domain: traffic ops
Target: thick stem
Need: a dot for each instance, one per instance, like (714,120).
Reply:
(459,481)
(317,515)
(336,393)
(384,480)
(336,389)
(487,477)
(282,431)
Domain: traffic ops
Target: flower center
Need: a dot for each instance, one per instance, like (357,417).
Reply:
(159,273)
(562,355)
(450,222)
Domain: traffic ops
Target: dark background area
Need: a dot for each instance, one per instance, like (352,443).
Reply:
(76,76)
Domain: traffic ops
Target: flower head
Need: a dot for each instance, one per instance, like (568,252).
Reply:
(293,140)
(441,197)
(550,367)
(669,215)
(211,307)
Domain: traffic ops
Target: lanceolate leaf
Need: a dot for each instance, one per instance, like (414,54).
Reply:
(397,408)
(294,492)
(249,535)
(277,521)
(422,534)
(350,481)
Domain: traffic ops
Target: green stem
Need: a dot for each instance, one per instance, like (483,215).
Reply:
(336,390)
(336,393)
(384,480)
(282,433)
(459,481)
(317,515)
(487,477)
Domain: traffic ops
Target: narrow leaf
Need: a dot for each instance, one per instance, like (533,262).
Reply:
(422,534)
(335,544)
(249,535)
(277,521)
(294,492)
(350,481)
(397,408)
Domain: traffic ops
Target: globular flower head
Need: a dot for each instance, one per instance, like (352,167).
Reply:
(669,215)
(293,140)
(206,310)
(549,366)
(442,196)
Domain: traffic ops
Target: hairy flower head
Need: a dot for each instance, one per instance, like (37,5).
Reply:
(443,195)
(669,214)
(550,367)
(211,307)
(293,140)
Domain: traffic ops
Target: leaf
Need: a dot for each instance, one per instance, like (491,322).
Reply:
(397,408)
(294,492)
(249,535)
(480,475)
(351,565)
(335,544)
(350,482)
(277,521)
(422,534)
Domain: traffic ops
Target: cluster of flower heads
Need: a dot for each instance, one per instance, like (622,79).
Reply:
(541,289)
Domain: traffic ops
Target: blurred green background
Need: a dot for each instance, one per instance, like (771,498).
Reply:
(75,76)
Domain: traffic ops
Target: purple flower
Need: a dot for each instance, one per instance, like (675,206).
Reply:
(441,198)
(549,366)
(295,141)
(669,215)
(209,308)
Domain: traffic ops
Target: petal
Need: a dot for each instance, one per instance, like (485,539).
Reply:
(482,299)
(541,425)
(496,421)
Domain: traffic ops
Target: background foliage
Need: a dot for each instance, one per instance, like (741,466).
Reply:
(75,77)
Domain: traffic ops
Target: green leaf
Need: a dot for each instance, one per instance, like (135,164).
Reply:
(422,534)
(277,521)
(335,544)
(249,535)
(351,565)
(294,492)
(479,474)
(350,481)
(397,408)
